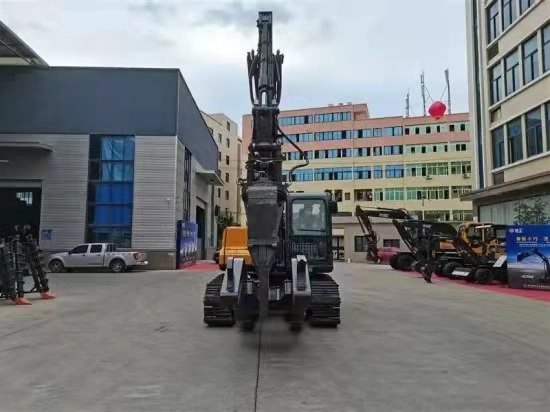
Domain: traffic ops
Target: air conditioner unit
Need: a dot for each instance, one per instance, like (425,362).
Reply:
(465,175)
(428,177)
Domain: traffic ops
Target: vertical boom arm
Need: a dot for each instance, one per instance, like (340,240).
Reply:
(264,194)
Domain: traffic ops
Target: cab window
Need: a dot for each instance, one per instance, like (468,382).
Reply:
(96,248)
(309,217)
(80,249)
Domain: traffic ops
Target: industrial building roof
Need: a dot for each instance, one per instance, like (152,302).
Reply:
(15,51)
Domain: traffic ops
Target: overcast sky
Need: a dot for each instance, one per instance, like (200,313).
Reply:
(363,51)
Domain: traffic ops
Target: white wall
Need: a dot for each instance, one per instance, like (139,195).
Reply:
(63,176)
(201,192)
(154,219)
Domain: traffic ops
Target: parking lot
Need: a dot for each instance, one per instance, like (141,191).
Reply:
(136,342)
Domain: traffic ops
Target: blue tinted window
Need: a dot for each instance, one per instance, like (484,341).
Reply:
(110,190)
(332,117)
(362,172)
(394,171)
(378,172)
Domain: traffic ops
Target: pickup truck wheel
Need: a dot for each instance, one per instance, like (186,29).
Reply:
(56,266)
(117,266)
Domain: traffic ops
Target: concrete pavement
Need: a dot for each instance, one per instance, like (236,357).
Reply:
(136,342)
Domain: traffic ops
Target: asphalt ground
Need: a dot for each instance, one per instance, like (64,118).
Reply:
(136,342)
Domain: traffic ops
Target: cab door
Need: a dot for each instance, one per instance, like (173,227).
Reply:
(77,257)
(95,255)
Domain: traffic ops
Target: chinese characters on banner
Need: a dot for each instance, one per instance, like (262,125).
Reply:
(528,256)
(187,244)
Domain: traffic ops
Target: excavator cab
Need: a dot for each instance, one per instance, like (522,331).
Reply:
(309,219)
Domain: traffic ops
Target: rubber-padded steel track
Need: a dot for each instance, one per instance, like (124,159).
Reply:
(215,314)
(325,305)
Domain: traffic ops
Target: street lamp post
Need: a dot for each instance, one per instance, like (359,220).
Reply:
(423,199)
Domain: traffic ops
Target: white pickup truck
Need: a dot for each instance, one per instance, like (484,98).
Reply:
(96,255)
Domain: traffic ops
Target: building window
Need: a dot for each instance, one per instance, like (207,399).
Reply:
(515,148)
(524,5)
(227,160)
(227,177)
(220,156)
(211,131)
(110,190)
(360,244)
(458,191)
(462,215)
(363,195)
(228,126)
(227,195)
(546,48)
(530,60)
(227,142)
(460,168)
(219,138)
(512,72)
(509,13)
(394,171)
(392,243)
(497,145)
(394,194)
(547,107)
(533,132)
(496,83)
(347,196)
(492,22)
(219,192)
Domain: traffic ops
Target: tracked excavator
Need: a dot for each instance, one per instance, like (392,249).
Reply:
(466,263)
(412,232)
(289,234)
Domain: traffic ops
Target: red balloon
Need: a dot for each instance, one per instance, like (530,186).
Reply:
(437,110)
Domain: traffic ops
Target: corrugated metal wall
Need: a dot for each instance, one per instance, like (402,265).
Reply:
(64,188)
(154,220)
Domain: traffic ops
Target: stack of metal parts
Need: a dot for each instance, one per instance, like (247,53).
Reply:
(20,257)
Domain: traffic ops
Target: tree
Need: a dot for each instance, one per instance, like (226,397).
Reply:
(531,214)
(224,220)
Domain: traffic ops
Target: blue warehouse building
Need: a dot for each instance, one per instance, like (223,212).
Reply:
(103,155)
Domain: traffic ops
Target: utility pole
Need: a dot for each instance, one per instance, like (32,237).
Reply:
(448,90)
(407,105)
(423,89)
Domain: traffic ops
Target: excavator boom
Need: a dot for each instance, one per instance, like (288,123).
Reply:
(364,214)
(264,194)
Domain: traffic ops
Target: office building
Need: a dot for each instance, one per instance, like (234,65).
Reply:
(417,163)
(509,82)
(103,155)
(226,134)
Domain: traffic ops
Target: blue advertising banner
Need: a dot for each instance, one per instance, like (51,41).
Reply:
(528,256)
(187,244)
